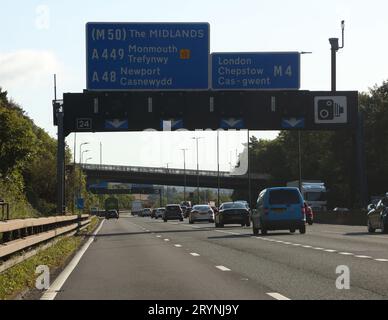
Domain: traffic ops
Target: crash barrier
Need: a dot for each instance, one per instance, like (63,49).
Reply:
(22,234)
(350,218)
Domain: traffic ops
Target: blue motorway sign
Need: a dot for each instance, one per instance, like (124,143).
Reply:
(262,70)
(147,56)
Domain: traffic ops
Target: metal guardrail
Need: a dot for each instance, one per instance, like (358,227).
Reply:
(22,234)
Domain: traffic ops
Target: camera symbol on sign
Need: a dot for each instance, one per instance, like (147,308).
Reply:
(330,110)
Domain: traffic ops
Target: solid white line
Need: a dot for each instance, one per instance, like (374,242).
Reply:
(178,245)
(222,268)
(194,254)
(277,296)
(53,290)
(364,257)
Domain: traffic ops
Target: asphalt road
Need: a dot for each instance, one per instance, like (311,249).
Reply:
(143,258)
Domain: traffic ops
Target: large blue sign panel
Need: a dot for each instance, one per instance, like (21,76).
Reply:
(262,70)
(147,56)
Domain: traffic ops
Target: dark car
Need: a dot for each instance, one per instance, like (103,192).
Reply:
(378,217)
(173,212)
(111,214)
(146,212)
(232,213)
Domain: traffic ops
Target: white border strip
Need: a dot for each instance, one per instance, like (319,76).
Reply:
(277,296)
(52,292)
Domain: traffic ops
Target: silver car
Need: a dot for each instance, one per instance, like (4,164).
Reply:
(159,213)
(201,212)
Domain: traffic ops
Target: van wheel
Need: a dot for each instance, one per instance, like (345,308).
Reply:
(165,220)
(302,229)
(248,224)
(384,227)
(255,231)
(370,229)
(264,231)
(292,230)
(191,221)
(181,219)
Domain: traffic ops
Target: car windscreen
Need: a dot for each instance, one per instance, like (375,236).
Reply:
(236,205)
(173,208)
(283,196)
(201,208)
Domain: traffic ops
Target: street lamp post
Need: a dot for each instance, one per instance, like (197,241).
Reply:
(167,164)
(218,169)
(184,174)
(196,139)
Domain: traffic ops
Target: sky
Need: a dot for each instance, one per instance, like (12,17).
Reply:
(40,38)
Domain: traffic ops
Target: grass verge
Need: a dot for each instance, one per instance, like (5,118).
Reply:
(17,279)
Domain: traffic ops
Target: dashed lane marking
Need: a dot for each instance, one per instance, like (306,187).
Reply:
(222,268)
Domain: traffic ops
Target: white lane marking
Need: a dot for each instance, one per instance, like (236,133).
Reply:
(222,268)
(287,243)
(363,257)
(158,236)
(307,246)
(346,253)
(330,250)
(194,254)
(296,244)
(277,296)
(166,240)
(178,245)
(382,260)
(147,230)
(317,248)
(53,290)
(227,232)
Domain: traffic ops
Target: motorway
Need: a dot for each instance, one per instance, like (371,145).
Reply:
(143,258)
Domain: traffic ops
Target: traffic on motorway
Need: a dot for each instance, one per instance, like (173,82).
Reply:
(281,208)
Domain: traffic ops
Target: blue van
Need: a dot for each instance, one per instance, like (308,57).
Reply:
(279,209)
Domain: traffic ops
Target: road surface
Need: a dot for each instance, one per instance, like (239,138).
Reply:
(144,258)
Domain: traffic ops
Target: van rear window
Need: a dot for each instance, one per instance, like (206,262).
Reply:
(284,197)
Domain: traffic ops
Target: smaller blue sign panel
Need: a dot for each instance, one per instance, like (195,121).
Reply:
(80,203)
(293,123)
(232,123)
(256,71)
